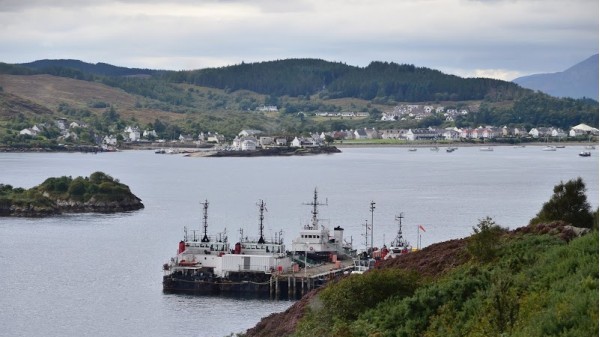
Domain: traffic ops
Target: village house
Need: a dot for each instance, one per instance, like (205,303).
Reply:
(244,143)
(304,142)
(558,133)
(422,134)
(393,134)
(186,138)
(61,123)
(372,133)
(248,145)
(215,138)
(149,133)
(131,133)
(583,129)
(451,134)
(109,140)
(248,133)
(360,134)
(266,141)
(267,108)
(28,132)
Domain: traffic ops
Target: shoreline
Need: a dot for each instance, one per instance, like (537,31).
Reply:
(195,151)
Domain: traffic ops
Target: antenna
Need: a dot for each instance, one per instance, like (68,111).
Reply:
(262,208)
(314,223)
(372,208)
(399,219)
(205,220)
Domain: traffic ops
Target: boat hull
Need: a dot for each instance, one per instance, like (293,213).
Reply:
(250,285)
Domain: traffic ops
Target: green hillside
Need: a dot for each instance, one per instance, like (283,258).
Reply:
(539,280)
(228,99)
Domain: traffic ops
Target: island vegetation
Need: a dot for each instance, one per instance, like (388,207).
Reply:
(537,280)
(97,193)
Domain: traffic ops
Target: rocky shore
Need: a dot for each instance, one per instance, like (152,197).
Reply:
(59,206)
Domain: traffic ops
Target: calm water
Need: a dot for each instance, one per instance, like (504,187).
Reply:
(100,275)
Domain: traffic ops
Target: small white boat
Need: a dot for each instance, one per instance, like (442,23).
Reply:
(412,149)
(487,148)
(435,148)
(549,148)
(585,154)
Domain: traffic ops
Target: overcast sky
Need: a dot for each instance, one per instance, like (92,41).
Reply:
(502,39)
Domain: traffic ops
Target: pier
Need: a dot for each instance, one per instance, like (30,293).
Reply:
(294,284)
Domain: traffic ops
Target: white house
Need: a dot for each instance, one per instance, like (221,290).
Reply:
(248,145)
(557,132)
(186,138)
(28,131)
(266,141)
(582,129)
(131,133)
(149,133)
(360,134)
(247,133)
(296,142)
(267,108)
(61,123)
(110,140)
(451,135)
(215,138)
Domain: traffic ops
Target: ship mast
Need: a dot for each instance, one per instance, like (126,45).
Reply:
(314,223)
(205,220)
(262,208)
(399,239)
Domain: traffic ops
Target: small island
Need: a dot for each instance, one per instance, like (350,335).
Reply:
(271,151)
(98,193)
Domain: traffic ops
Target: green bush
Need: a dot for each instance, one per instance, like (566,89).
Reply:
(483,243)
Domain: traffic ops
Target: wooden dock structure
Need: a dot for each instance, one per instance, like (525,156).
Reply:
(294,284)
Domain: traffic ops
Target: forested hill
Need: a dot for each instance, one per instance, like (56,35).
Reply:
(302,77)
(74,69)
(398,82)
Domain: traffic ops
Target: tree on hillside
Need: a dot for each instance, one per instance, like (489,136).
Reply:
(568,203)
(484,242)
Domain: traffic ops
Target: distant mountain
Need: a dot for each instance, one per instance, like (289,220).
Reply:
(581,80)
(101,69)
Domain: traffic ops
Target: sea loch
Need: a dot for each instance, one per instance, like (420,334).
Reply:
(100,275)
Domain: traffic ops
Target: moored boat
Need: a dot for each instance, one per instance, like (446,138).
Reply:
(316,241)
(585,154)
(206,266)
(399,245)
